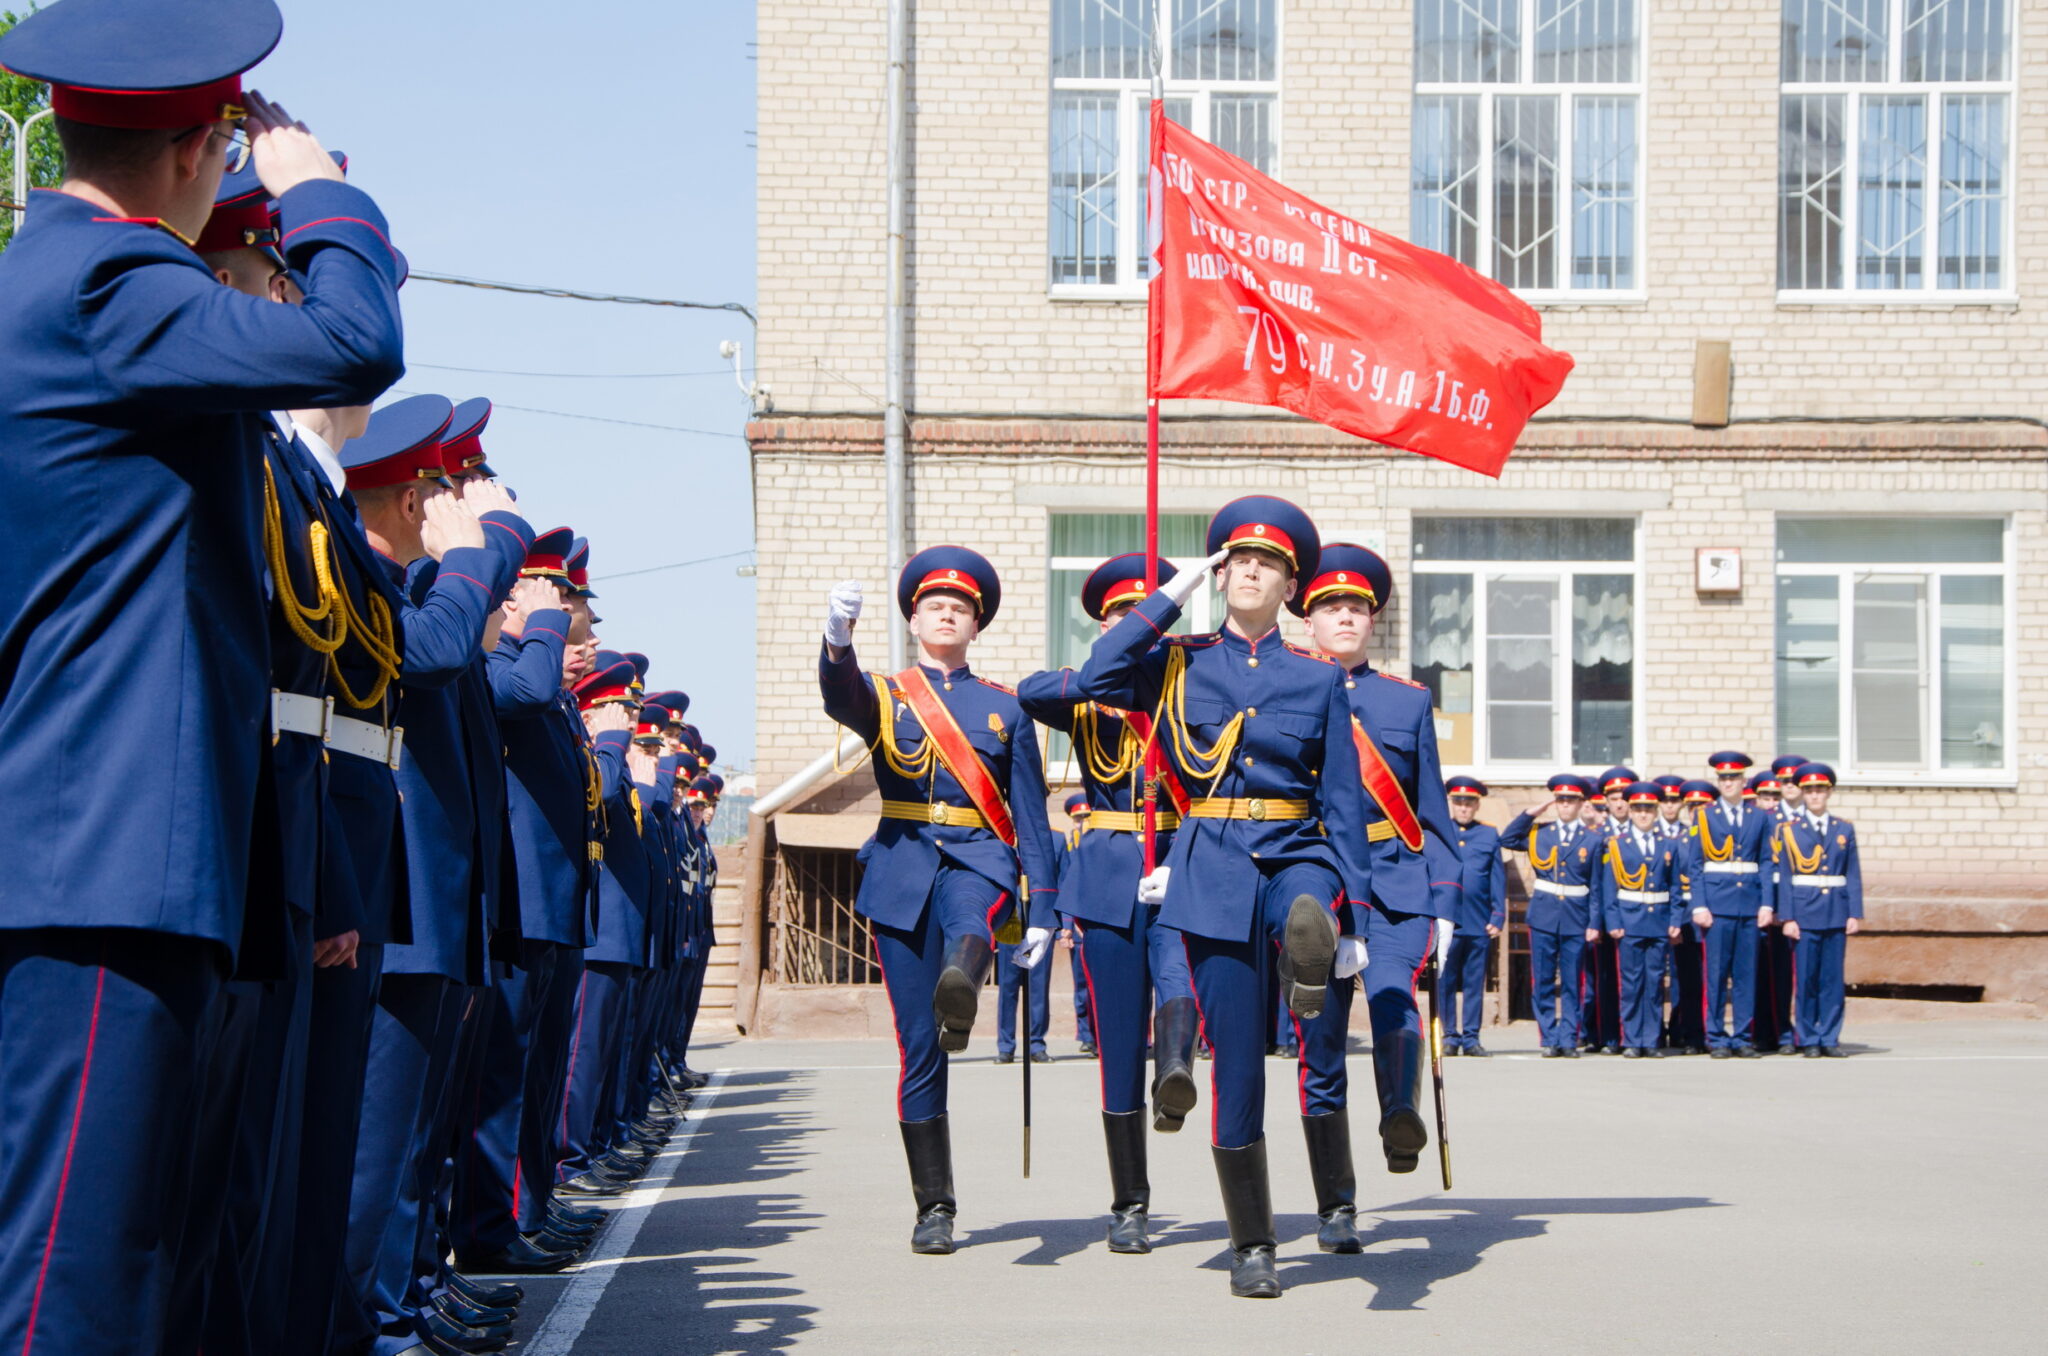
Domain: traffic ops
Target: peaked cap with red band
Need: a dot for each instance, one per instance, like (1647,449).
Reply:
(402,446)
(463,444)
(652,722)
(1346,567)
(1617,778)
(639,662)
(165,65)
(1645,793)
(1120,580)
(1814,774)
(1671,782)
(241,217)
(1275,524)
(950,569)
(1730,761)
(1464,786)
(610,681)
(1786,765)
(1764,781)
(1570,784)
(674,701)
(550,554)
(1697,792)
(1076,804)
(579,568)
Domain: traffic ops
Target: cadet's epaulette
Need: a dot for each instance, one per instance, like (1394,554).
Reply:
(990,682)
(1307,653)
(1193,642)
(1397,678)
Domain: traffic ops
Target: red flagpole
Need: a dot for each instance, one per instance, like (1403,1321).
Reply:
(1152,475)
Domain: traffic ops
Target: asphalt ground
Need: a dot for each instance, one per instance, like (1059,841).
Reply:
(1896,1201)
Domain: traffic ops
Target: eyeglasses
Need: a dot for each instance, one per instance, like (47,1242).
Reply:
(238,147)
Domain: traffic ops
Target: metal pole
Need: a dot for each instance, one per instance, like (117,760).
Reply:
(894,421)
(18,191)
(1151,807)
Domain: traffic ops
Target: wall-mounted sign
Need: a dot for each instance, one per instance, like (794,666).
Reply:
(1717,571)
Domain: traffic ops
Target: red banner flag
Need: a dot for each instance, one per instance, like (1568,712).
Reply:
(1260,295)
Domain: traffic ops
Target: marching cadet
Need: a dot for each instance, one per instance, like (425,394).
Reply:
(1414,879)
(1633,894)
(1563,854)
(1773,949)
(133,382)
(1820,896)
(1727,858)
(963,835)
(1601,1019)
(1686,1029)
(1482,913)
(1131,960)
(1263,729)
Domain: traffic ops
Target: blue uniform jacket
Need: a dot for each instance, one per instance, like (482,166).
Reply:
(903,858)
(1633,907)
(1563,857)
(706,933)
(1482,880)
(548,776)
(625,879)
(1099,872)
(1396,713)
(1734,887)
(1831,892)
(133,392)
(658,830)
(1294,744)
(451,780)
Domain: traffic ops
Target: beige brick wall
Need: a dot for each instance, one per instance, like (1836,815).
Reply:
(987,338)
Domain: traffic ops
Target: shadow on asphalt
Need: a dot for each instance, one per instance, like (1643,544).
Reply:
(1404,1259)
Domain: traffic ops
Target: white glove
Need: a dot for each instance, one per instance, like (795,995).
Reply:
(1182,586)
(1152,888)
(1037,941)
(1444,932)
(842,610)
(1350,957)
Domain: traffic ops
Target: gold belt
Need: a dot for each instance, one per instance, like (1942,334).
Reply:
(1257,808)
(1379,831)
(1128,821)
(952,816)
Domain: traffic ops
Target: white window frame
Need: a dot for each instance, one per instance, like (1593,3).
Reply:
(1564,93)
(1846,577)
(1482,572)
(1929,293)
(1134,106)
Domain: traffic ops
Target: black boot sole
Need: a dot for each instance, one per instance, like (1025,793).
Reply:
(1403,1136)
(1172,1100)
(1310,948)
(954,1003)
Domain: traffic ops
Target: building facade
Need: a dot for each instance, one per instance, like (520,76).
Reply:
(1793,498)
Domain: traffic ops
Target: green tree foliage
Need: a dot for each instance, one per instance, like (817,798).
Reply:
(20,100)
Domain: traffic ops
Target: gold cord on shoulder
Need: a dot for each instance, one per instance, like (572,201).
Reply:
(1200,763)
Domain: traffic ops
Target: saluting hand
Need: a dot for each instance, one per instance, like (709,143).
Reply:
(284,151)
(610,716)
(1182,586)
(449,524)
(487,496)
(528,597)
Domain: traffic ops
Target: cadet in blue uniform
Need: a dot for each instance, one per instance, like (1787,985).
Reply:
(1560,919)
(1133,964)
(1414,879)
(1633,889)
(1774,962)
(1482,914)
(1259,732)
(963,833)
(134,393)
(1600,1007)
(1820,897)
(1728,861)
(1686,1031)
(1070,928)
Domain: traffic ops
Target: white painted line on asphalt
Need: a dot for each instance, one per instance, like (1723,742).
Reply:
(587,1281)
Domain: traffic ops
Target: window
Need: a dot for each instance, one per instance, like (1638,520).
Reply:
(1080,542)
(1892,655)
(1222,84)
(1895,129)
(1527,141)
(1523,630)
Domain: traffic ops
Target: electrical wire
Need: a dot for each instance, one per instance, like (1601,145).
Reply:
(593,376)
(570,294)
(597,418)
(674,565)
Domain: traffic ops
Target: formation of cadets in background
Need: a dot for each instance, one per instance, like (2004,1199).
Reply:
(377,969)
(1306,848)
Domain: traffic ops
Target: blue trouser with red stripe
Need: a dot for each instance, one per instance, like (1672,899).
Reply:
(1642,988)
(488,1182)
(1123,973)
(601,1012)
(1396,944)
(99,1063)
(1230,988)
(960,904)
(1731,980)
(1464,990)
(543,1125)
(1554,957)
(1821,953)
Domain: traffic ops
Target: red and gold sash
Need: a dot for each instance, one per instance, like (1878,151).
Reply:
(1141,726)
(1385,788)
(955,752)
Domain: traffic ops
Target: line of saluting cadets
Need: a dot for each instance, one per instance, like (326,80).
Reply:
(379,969)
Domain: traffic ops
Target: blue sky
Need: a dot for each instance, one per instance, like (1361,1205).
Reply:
(603,147)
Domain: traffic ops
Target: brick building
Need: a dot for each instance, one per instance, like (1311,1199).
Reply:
(1829,536)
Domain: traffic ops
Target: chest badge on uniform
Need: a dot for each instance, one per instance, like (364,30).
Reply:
(1841,840)
(995,722)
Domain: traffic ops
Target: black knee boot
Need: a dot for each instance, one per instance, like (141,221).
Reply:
(1248,1208)
(1306,953)
(1173,1053)
(1329,1168)
(959,990)
(1130,1188)
(929,1147)
(1397,1069)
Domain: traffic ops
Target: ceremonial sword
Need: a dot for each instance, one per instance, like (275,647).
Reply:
(1024,1040)
(1436,1070)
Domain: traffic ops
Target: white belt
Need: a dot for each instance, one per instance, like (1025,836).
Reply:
(1823,882)
(1731,868)
(1643,896)
(1551,887)
(292,713)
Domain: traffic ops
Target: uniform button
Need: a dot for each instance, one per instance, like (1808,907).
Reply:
(1255,856)
(1253,662)
(1248,761)
(1251,710)
(1351,682)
